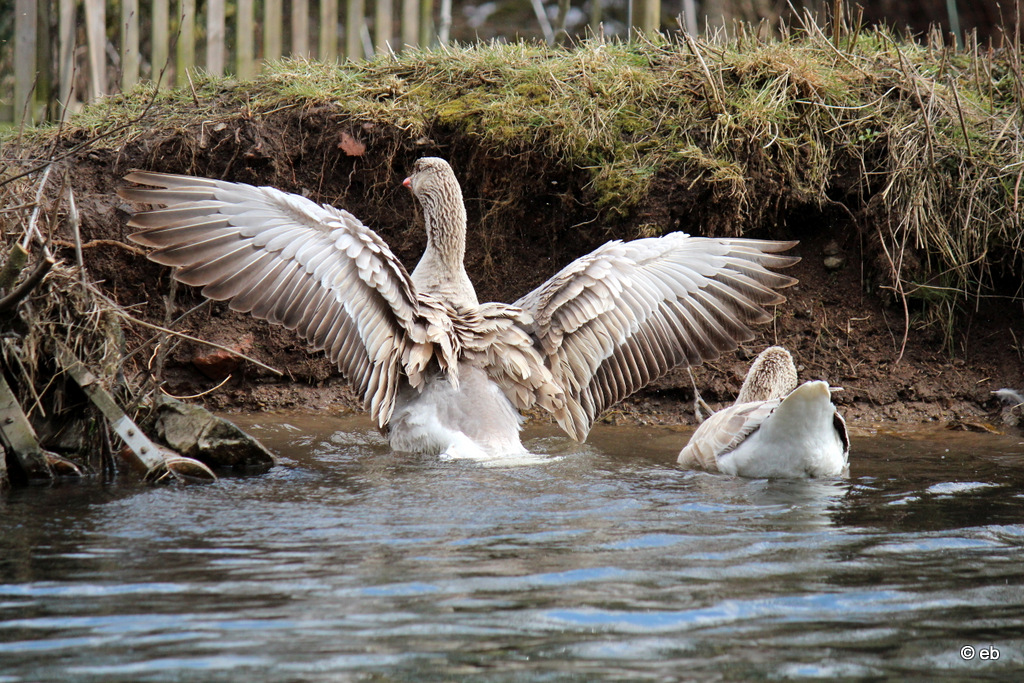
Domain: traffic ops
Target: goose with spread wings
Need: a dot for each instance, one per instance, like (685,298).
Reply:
(437,370)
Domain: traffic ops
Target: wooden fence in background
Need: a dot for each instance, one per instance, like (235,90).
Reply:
(236,36)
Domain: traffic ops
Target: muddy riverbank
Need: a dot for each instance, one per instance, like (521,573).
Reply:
(909,292)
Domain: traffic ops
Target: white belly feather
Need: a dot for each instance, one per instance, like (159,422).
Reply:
(474,421)
(798,439)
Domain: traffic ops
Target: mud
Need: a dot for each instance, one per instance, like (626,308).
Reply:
(529,216)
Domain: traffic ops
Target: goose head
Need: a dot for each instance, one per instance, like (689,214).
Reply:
(772,375)
(434,185)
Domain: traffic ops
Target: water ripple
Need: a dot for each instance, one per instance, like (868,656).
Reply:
(599,562)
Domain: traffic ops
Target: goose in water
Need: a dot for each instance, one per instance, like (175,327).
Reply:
(439,372)
(775,429)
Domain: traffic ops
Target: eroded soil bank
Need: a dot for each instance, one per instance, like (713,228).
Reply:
(529,216)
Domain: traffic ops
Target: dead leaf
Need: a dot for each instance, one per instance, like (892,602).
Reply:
(350,146)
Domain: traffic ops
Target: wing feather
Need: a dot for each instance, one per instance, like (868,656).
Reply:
(622,316)
(313,268)
(723,432)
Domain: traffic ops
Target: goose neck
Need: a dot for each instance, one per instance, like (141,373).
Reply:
(446,232)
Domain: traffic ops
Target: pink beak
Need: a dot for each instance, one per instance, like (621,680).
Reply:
(407,182)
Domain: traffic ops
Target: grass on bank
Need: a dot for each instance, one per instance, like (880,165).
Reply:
(920,142)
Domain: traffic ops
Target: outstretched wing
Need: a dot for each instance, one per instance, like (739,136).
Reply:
(311,268)
(622,316)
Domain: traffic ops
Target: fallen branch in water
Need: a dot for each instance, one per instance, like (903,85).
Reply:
(157,462)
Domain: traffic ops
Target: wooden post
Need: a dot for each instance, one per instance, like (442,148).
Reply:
(96,38)
(245,37)
(328,30)
(445,24)
(410,23)
(354,12)
(44,59)
(215,33)
(690,17)
(272,35)
(17,433)
(160,54)
(300,28)
(545,26)
(426,22)
(129,43)
(383,26)
(954,22)
(66,56)
(185,50)
(25,27)
(646,16)
(95,29)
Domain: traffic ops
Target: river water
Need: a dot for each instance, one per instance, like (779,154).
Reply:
(596,562)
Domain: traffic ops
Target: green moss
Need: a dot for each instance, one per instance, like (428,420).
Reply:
(533,93)
(621,186)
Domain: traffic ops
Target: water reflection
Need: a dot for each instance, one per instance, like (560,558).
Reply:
(599,561)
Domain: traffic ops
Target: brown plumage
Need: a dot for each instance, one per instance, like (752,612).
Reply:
(602,328)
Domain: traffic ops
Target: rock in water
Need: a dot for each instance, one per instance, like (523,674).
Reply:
(197,433)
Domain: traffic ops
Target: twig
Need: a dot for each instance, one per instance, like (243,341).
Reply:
(542,19)
(1016,191)
(852,42)
(19,207)
(192,87)
(837,24)
(811,24)
(33,222)
(161,347)
(182,335)
(10,301)
(200,394)
(904,67)
(698,400)
(707,72)
(99,243)
(903,298)
(177,320)
(37,402)
(75,223)
(960,113)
